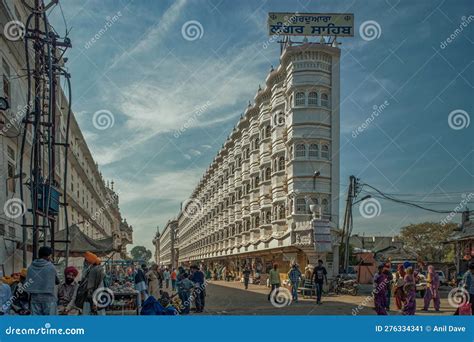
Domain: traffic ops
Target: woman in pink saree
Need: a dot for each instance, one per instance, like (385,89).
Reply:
(409,307)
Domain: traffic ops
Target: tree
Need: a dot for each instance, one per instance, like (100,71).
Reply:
(427,240)
(141,253)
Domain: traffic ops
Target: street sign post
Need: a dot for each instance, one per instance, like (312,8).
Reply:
(311,24)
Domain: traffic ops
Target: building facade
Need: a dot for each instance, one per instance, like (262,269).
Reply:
(168,244)
(93,205)
(253,204)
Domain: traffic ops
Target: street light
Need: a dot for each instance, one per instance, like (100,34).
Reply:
(315,175)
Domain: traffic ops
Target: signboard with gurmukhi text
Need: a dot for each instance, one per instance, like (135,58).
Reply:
(311,24)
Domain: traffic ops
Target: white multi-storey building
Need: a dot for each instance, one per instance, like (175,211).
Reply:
(167,244)
(93,204)
(253,203)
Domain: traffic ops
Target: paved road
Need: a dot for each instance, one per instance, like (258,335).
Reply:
(230,298)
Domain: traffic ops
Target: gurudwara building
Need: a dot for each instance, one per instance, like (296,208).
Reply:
(253,204)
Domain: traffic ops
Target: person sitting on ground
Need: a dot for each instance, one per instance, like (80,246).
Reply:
(21,299)
(67,292)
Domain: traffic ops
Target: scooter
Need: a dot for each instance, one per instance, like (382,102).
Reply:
(349,286)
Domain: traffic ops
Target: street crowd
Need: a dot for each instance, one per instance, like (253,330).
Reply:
(37,290)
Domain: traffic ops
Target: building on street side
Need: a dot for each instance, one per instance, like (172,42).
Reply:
(253,204)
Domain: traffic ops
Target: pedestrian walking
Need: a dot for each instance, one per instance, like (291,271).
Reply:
(467,283)
(173,279)
(319,278)
(141,283)
(246,274)
(42,279)
(389,276)
(380,291)
(92,279)
(274,280)
(399,283)
(409,288)
(294,275)
(432,289)
(198,278)
(184,286)
(166,277)
(153,284)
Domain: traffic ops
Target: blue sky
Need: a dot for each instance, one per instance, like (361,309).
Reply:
(153,81)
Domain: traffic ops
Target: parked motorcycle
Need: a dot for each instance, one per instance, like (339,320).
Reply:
(346,286)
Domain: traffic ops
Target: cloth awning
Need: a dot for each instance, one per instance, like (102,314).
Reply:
(81,243)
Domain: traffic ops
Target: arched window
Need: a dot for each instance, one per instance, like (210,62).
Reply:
(300,99)
(313,98)
(247,153)
(257,221)
(247,188)
(268,173)
(325,205)
(325,151)
(281,163)
(268,217)
(257,180)
(313,150)
(256,143)
(300,150)
(281,212)
(325,100)
(300,206)
(268,131)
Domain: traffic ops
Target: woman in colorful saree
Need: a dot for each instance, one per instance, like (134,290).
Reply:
(432,289)
(409,307)
(380,291)
(399,282)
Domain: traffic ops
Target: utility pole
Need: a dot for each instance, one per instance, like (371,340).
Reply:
(348,223)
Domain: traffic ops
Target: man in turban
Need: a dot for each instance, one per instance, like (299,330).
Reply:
(92,279)
(67,292)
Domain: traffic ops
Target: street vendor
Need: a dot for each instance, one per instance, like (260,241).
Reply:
(67,292)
